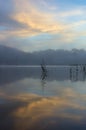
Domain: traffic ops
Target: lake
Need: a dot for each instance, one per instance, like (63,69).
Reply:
(33,100)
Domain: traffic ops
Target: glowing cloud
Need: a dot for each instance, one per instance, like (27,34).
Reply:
(30,18)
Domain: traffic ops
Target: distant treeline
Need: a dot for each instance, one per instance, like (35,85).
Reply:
(11,56)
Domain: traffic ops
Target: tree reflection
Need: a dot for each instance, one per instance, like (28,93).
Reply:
(77,72)
(43,77)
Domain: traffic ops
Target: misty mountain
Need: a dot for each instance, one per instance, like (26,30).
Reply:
(11,56)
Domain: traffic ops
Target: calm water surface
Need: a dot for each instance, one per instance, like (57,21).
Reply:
(31,100)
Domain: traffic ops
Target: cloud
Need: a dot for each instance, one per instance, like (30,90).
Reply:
(71,13)
(29,18)
(5,15)
(38,22)
(9,23)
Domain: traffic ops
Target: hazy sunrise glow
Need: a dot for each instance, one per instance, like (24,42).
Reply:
(33,25)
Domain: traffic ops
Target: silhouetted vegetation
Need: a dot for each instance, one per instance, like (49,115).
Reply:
(11,56)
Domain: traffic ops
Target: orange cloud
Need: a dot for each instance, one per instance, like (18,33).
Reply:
(36,21)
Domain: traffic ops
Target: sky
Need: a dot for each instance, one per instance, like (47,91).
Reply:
(34,25)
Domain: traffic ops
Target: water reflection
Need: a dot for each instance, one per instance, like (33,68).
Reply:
(73,73)
(36,112)
(43,78)
(77,73)
(28,102)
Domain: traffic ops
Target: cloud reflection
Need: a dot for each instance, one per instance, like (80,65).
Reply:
(44,113)
(24,107)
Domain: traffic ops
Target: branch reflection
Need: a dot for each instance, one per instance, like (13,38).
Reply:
(77,72)
(43,78)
